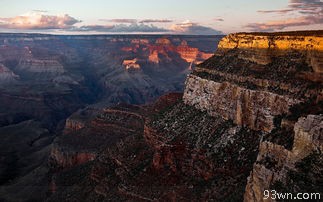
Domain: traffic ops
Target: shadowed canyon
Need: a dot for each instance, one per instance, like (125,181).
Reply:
(49,83)
(160,118)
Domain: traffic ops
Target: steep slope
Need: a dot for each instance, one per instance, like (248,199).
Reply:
(46,79)
(6,75)
(177,160)
(254,109)
(267,83)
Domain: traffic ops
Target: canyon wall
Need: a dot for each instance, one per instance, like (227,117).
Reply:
(262,48)
(274,161)
(271,83)
(253,108)
(250,119)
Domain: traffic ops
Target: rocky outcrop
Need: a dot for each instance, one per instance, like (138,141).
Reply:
(274,161)
(189,54)
(6,75)
(252,108)
(66,159)
(163,41)
(153,57)
(131,64)
(59,75)
(254,78)
(72,124)
(177,159)
(89,131)
(41,66)
(308,135)
(261,48)
(245,112)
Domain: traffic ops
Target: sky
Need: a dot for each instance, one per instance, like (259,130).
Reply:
(205,17)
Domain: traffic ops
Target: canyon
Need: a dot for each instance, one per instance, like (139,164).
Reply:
(51,84)
(248,119)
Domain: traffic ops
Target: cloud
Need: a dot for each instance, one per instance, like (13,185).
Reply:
(36,20)
(219,19)
(40,11)
(132,21)
(299,6)
(309,12)
(121,28)
(188,27)
(155,21)
(121,20)
(282,24)
(282,11)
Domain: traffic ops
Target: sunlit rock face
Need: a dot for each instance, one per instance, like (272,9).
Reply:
(131,64)
(271,83)
(253,78)
(187,53)
(261,48)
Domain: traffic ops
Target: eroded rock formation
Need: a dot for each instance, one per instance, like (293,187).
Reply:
(274,162)
(250,119)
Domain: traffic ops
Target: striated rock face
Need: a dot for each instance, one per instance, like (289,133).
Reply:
(59,75)
(308,135)
(268,82)
(88,131)
(274,162)
(261,48)
(168,158)
(252,92)
(40,66)
(189,54)
(164,48)
(252,108)
(67,159)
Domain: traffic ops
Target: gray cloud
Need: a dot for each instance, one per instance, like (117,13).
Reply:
(132,21)
(155,21)
(282,24)
(219,19)
(281,11)
(310,13)
(121,20)
(122,28)
(188,27)
(40,11)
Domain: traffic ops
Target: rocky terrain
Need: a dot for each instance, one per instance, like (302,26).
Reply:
(250,119)
(269,83)
(50,86)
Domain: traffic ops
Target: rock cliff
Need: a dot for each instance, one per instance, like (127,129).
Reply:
(262,48)
(252,92)
(250,119)
(274,162)
(271,83)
